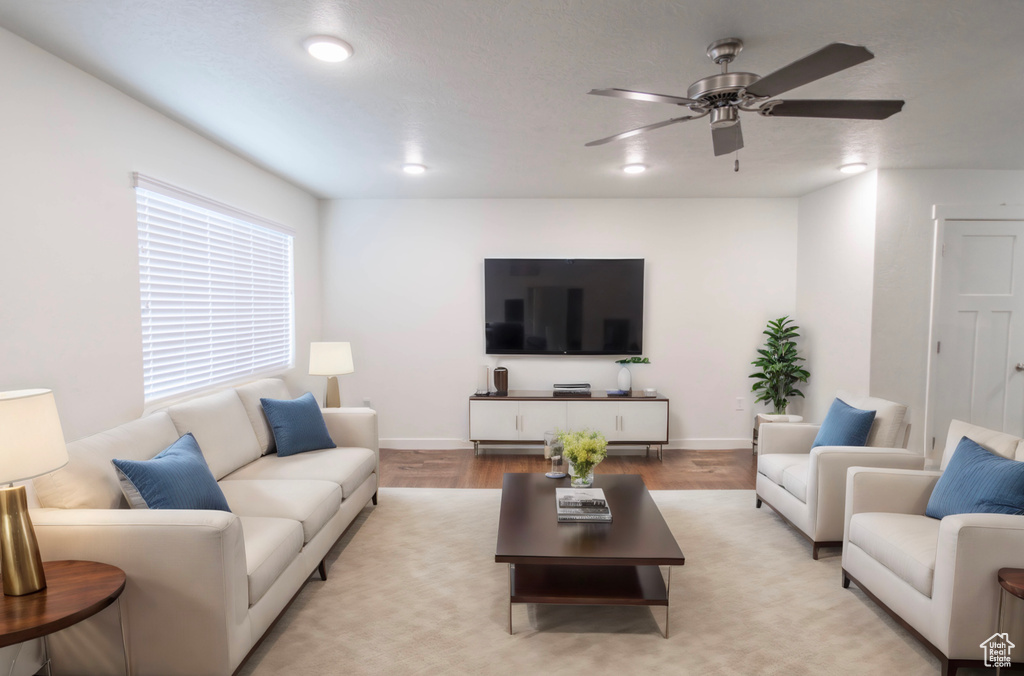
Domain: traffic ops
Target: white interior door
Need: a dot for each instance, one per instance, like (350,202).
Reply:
(980,327)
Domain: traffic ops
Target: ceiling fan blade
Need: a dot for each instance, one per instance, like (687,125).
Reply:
(640,130)
(727,139)
(826,61)
(836,108)
(642,96)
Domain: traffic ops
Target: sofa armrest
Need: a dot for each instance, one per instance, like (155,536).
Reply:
(900,491)
(786,438)
(353,426)
(186,599)
(826,488)
(965,589)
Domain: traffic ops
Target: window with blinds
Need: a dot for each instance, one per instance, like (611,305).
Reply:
(216,291)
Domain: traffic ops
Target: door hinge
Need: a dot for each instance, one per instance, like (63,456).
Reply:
(938,347)
(933,443)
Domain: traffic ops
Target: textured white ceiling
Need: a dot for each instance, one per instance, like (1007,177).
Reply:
(491,94)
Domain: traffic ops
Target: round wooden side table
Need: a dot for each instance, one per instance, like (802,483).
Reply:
(1011,581)
(75,590)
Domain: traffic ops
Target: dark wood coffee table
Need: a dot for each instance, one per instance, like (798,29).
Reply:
(615,563)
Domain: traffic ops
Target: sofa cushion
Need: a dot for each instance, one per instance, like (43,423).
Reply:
(250,395)
(88,481)
(888,422)
(774,465)
(311,503)
(903,543)
(1000,443)
(270,547)
(177,478)
(844,425)
(222,428)
(794,478)
(977,480)
(348,467)
(298,425)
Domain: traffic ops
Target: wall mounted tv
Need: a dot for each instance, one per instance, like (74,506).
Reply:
(564,306)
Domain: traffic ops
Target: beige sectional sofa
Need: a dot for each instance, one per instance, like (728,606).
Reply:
(203,586)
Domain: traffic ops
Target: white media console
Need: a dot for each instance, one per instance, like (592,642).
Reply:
(523,416)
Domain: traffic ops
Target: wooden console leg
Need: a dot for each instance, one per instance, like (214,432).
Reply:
(374,498)
(322,568)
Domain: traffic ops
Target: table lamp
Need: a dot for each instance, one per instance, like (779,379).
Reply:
(31,444)
(331,360)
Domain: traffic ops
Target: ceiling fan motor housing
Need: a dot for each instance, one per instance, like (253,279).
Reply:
(721,89)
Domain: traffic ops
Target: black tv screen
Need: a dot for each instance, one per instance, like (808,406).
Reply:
(564,306)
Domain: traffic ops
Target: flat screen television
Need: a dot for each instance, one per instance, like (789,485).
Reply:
(564,306)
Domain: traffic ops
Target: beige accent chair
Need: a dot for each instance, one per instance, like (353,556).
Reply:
(937,578)
(807,487)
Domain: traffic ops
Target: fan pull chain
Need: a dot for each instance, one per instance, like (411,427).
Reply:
(736,164)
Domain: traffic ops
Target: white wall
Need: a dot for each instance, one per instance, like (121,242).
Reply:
(835,277)
(903,276)
(403,280)
(69,310)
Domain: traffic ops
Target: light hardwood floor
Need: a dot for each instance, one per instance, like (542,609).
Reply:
(680,469)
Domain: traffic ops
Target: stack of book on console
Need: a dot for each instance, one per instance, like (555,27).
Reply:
(571,389)
(582,504)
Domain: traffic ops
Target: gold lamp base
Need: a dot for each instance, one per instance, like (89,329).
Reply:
(332,399)
(21,565)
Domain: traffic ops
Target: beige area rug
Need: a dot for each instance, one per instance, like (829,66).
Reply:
(413,589)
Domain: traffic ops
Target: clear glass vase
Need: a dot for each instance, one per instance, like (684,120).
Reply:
(581,481)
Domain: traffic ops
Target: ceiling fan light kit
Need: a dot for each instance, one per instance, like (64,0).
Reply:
(635,168)
(724,95)
(413,168)
(853,168)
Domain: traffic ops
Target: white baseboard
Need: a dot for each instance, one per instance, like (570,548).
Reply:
(410,444)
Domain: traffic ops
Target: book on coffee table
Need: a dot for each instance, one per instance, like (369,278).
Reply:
(580,497)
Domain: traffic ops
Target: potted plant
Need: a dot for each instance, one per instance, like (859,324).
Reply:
(584,450)
(779,366)
(625,378)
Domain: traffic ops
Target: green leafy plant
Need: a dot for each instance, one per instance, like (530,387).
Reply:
(779,366)
(633,360)
(584,449)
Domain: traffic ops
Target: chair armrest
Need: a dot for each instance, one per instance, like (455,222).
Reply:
(900,491)
(353,426)
(186,600)
(965,589)
(786,438)
(826,489)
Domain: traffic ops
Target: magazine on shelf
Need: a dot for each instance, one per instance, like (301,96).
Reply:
(580,497)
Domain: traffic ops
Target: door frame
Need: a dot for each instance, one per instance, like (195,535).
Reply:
(941,214)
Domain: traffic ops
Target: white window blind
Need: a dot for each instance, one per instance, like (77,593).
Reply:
(216,291)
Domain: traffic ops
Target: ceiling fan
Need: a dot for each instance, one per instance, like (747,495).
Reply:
(724,95)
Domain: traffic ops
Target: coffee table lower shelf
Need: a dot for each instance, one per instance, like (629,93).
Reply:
(592,585)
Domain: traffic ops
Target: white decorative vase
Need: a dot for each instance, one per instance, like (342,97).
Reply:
(625,379)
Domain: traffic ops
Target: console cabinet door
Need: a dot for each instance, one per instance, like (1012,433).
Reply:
(599,415)
(643,421)
(538,417)
(494,420)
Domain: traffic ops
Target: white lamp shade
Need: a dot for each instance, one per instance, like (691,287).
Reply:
(330,359)
(31,438)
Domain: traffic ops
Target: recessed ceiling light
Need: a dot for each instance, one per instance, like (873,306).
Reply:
(413,168)
(327,48)
(853,168)
(635,168)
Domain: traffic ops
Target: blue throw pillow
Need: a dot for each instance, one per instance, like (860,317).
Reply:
(298,424)
(978,480)
(844,425)
(177,478)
